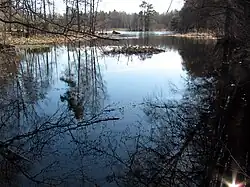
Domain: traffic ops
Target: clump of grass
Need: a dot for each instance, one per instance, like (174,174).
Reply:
(134,50)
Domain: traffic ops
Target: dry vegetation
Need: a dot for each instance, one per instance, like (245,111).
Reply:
(133,50)
(44,39)
(195,35)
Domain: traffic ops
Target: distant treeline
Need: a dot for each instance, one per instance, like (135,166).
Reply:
(26,18)
(83,16)
(134,21)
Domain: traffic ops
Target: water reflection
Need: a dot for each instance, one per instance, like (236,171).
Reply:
(31,136)
(59,124)
(165,42)
(86,92)
(200,140)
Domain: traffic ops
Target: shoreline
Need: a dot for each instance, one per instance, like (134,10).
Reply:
(194,36)
(45,40)
(41,40)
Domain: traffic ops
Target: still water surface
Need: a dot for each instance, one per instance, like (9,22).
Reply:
(76,114)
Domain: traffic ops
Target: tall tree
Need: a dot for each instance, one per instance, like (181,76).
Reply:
(147,13)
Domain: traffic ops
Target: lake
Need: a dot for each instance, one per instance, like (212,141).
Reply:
(73,116)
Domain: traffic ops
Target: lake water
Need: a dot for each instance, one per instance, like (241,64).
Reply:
(72,116)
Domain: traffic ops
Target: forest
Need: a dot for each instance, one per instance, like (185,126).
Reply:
(25,18)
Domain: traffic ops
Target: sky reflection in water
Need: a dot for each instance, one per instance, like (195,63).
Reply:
(122,83)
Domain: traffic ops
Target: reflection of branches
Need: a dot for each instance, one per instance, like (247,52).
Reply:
(184,147)
(140,56)
(87,90)
(176,151)
(196,141)
(40,135)
(29,136)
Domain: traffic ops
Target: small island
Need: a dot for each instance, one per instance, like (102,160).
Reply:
(133,50)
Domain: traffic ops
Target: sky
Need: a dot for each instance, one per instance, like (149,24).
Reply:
(133,5)
(130,6)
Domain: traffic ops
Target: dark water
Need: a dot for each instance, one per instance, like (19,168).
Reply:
(71,116)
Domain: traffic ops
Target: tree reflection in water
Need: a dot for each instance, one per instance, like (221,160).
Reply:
(35,145)
(202,139)
(86,87)
(195,141)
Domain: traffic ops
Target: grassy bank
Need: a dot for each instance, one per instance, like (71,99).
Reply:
(49,39)
(43,40)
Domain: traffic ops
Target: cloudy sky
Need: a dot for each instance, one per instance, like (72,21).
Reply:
(131,6)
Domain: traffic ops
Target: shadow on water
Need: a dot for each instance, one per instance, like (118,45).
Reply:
(200,139)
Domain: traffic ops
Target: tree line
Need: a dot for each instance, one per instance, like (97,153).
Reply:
(136,21)
(224,18)
(26,17)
